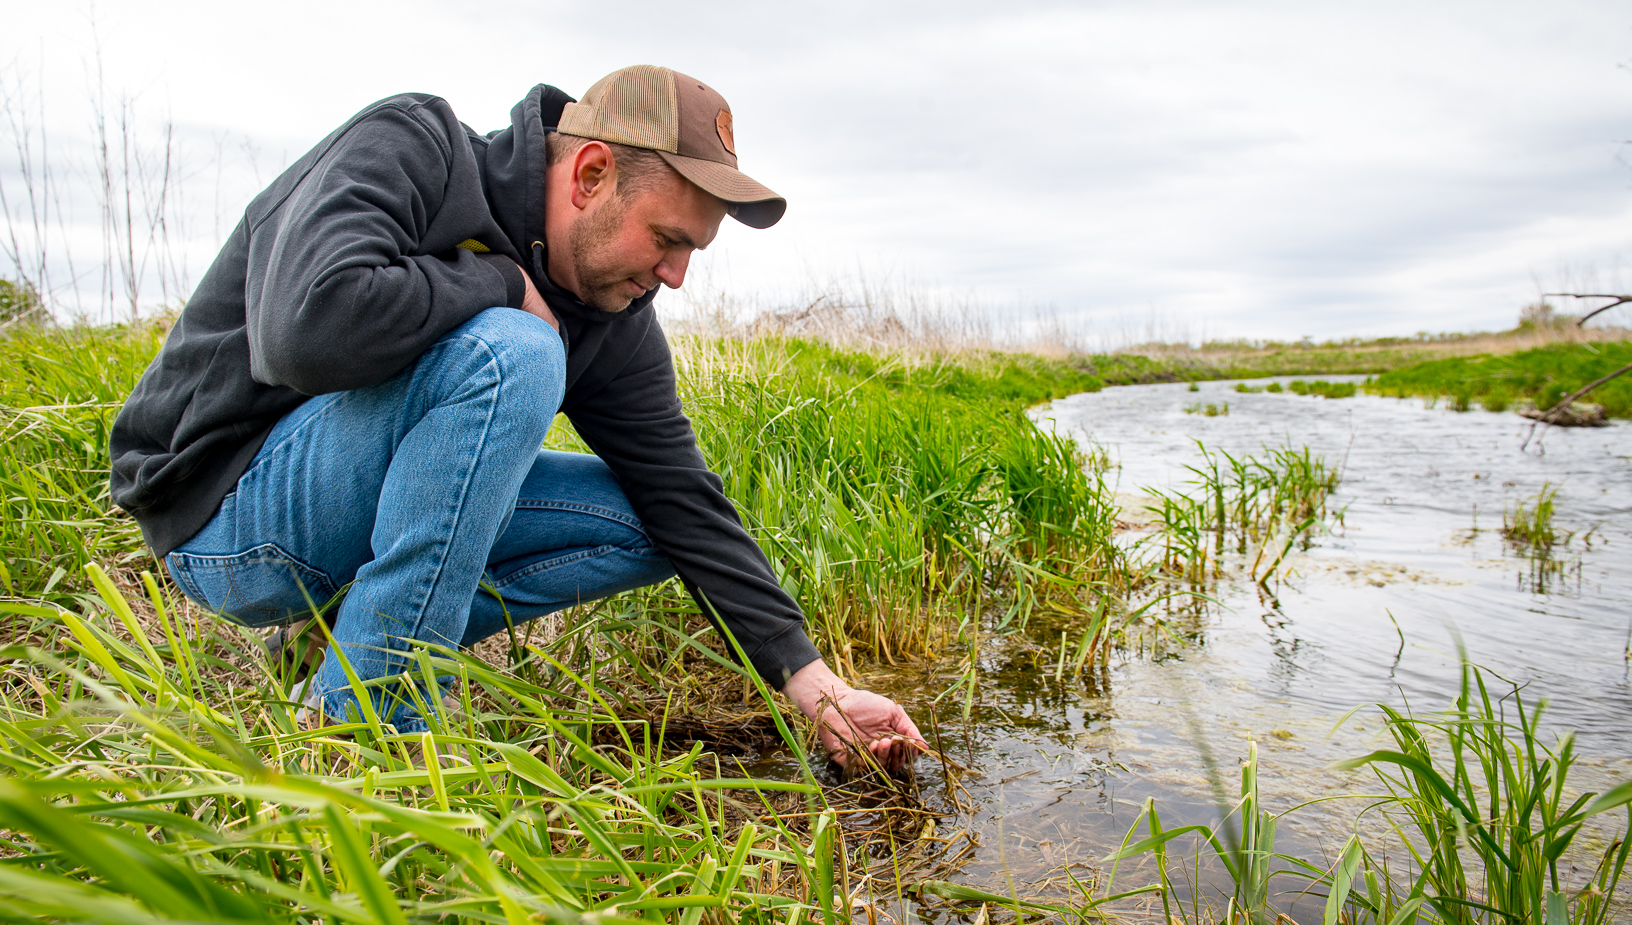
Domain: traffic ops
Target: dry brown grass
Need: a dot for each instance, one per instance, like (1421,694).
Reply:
(912,324)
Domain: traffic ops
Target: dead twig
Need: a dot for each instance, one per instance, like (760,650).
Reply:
(1553,413)
(1619,300)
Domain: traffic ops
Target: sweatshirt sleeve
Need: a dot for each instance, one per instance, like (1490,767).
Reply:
(636,425)
(347,294)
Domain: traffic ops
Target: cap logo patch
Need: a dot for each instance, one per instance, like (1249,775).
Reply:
(722,124)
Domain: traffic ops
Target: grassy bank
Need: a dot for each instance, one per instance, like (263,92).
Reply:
(1543,376)
(155,769)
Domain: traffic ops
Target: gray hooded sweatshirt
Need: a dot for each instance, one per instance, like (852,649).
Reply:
(349,266)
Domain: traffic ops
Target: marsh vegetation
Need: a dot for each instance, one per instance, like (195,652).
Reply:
(602,765)
(1542,376)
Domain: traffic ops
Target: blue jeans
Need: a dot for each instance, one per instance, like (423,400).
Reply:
(412,492)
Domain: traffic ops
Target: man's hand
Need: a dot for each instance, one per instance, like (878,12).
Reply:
(533,304)
(850,720)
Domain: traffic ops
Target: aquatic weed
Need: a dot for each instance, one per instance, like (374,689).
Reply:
(1475,798)
(1497,796)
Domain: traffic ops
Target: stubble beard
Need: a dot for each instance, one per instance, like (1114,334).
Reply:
(599,279)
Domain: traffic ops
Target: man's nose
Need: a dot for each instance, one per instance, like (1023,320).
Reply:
(672,269)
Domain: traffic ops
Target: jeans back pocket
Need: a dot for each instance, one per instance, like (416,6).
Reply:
(262,586)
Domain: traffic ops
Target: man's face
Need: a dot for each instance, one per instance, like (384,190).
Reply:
(626,245)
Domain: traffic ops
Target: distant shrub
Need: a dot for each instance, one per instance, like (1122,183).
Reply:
(1542,316)
(20,303)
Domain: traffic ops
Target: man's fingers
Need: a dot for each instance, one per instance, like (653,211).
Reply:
(874,724)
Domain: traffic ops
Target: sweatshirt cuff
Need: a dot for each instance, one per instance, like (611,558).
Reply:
(515,285)
(781,657)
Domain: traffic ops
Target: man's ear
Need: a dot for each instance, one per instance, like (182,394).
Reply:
(592,173)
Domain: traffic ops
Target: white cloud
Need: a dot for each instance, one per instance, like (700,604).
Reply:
(1263,169)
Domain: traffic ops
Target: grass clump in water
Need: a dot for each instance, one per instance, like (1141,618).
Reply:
(1529,522)
(1488,819)
(1322,388)
(1543,377)
(1210,409)
(1263,505)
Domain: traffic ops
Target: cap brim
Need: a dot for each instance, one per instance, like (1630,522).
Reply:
(752,203)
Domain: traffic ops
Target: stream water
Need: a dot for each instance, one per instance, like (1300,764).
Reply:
(1369,614)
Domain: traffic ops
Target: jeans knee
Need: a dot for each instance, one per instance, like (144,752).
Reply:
(528,355)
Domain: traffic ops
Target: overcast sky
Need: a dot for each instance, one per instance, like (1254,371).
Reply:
(1263,169)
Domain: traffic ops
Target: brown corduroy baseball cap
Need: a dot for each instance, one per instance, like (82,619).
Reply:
(685,122)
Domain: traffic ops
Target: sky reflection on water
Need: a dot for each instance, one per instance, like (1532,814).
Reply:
(1367,615)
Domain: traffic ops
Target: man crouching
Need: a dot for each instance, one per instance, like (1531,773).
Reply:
(356,395)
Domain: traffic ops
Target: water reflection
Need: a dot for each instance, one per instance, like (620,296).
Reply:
(1059,767)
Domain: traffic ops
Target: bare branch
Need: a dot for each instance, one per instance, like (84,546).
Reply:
(1619,300)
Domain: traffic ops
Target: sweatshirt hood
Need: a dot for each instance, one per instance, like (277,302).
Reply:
(513,181)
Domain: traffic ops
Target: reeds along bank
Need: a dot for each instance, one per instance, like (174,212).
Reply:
(891,491)
(898,497)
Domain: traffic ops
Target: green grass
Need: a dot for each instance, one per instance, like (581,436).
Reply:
(897,498)
(156,771)
(20,305)
(1542,376)
(1257,508)
(1322,388)
(1319,387)
(1481,803)
(58,398)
